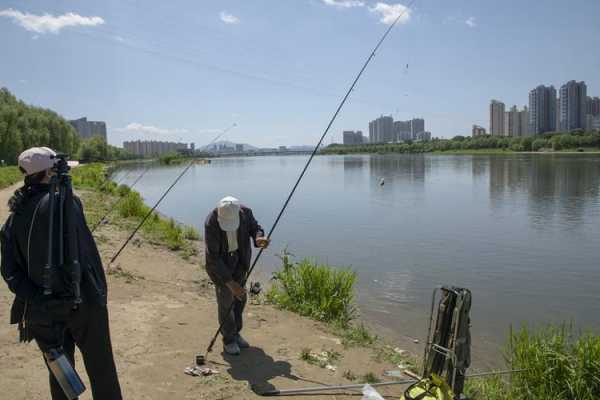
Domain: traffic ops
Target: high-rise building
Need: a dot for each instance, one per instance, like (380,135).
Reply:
(557,124)
(497,118)
(353,137)
(592,122)
(524,122)
(402,131)
(477,130)
(573,104)
(513,122)
(417,125)
(423,136)
(88,129)
(542,110)
(381,130)
(152,148)
(592,106)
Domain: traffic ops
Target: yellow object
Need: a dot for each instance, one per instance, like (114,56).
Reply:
(433,388)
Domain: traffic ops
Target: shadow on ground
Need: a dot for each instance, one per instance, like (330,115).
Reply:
(258,368)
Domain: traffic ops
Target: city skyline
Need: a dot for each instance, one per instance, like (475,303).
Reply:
(181,72)
(549,110)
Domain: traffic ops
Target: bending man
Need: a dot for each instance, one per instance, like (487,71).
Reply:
(228,232)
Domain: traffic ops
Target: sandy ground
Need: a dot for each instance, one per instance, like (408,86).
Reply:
(165,314)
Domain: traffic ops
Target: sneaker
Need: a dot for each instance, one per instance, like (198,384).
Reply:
(242,343)
(232,349)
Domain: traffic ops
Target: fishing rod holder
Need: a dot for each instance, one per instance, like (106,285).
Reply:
(447,349)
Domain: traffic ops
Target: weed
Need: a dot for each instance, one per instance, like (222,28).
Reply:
(350,375)
(370,377)
(317,291)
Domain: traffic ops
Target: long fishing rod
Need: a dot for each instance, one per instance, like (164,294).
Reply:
(314,152)
(114,205)
(318,389)
(112,260)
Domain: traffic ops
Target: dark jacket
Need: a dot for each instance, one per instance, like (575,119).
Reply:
(24,246)
(220,266)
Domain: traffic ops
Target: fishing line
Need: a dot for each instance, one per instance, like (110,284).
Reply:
(112,260)
(314,152)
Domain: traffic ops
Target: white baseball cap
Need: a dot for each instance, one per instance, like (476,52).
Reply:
(228,213)
(37,159)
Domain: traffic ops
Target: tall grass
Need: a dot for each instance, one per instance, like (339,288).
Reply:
(9,175)
(317,291)
(558,365)
(131,207)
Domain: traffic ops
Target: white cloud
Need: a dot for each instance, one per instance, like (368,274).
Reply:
(391,12)
(136,127)
(471,22)
(49,23)
(229,18)
(344,3)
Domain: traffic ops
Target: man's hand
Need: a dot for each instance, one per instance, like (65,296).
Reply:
(237,291)
(262,242)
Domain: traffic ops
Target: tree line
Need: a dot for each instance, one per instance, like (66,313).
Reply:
(555,141)
(23,126)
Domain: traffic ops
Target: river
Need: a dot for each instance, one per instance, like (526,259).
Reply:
(522,231)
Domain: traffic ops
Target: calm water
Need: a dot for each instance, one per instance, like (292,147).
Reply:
(521,231)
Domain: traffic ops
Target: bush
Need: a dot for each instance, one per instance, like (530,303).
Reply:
(132,205)
(9,175)
(123,190)
(317,291)
(557,364)
(173,235)
(170,158)
(191,233)
(538,144)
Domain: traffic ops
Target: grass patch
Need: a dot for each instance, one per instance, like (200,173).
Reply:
(355,335)
(9,176)
(489,388)
(316,291)
(131,209)
(557,363)
(324,359)
(370,377)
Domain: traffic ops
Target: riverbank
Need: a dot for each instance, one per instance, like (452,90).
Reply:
(575,141)
(162,312)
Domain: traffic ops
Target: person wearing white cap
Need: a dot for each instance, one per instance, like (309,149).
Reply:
(228,232)
(50,318)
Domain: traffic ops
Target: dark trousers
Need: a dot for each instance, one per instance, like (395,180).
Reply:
(231,321)
(88,329)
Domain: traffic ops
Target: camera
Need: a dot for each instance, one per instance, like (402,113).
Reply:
(61,166)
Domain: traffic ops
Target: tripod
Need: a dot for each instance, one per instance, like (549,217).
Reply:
(61,190)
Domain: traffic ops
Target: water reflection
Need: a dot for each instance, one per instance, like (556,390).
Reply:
(406,169)
(562,187)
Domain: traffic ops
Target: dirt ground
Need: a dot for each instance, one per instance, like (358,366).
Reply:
(163,312)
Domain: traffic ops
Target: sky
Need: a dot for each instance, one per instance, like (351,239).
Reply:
(185,70)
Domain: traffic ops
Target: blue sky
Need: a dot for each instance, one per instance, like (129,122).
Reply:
(182,70)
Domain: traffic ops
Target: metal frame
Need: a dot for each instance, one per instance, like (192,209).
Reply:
(447,353)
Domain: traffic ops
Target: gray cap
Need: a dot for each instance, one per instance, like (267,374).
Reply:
(37,159)
(228,214)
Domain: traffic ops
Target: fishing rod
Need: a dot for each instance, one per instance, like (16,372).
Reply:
(112,260)
(314,152)
(315,389)
(114,205)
